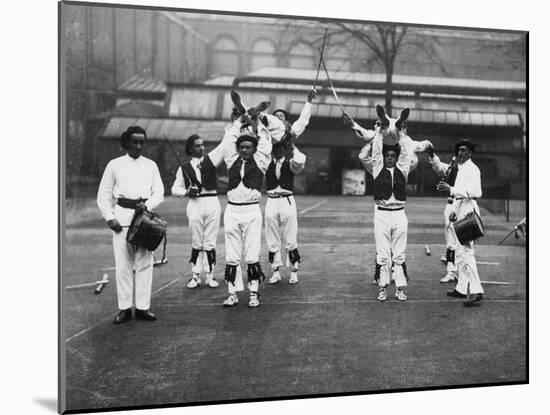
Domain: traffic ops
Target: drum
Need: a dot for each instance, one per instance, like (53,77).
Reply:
(147,230)
(469,228)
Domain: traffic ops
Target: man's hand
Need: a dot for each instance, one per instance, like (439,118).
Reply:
(430,150)
(312,95)
(443,186)
(452,217)
(141,207)
(114,225)
(347,119)
(193,191)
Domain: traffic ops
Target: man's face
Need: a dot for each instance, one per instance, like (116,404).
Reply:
(135,145)
(390,158)
(246,150)
(280,115)
(197,149)
(464,154)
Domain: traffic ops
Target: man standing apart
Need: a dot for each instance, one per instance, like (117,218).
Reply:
(389,166)
(129,184)
(197,179)
(466,190)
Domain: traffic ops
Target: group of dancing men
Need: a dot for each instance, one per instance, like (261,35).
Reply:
(258,145)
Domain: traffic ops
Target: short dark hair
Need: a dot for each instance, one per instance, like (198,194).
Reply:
(126,135)
(281,144)
(190,143)
(286,114)
(387,147)
(247,137)
(465,142)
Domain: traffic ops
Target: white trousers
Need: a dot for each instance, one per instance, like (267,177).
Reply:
(449,236)
(243,234)
(464,254)
(281,223)
(203,214)
(128,259)
(390,237)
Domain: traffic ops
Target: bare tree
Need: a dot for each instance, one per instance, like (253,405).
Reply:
(385,41)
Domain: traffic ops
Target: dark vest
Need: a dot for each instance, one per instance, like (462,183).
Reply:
(383,185)
(208,175)
(451,174)
(286,180)
(252,179)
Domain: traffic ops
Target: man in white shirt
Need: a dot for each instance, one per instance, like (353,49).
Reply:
(466,190)
(197,180)
(389,166)
(246,151)
(130,183)
(281,217)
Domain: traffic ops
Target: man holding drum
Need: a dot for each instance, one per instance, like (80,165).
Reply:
(130,184)
(466,189)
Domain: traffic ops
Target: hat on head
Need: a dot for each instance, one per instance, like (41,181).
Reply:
(465,142)
(126,135)
(286,114)
(394,147)
(247,137)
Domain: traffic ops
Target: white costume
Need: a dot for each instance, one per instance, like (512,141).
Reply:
(390,220)
(242,216)
(466,190)
(203,213)
(281,217)
(129,178)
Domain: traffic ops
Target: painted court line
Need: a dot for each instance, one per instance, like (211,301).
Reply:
(313,207)
(487,263)
(347,301)
(111,316)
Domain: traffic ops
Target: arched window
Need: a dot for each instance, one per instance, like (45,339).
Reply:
(225,57)
(301,56)
(263,54)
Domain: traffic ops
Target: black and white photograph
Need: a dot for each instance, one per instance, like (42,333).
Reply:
(275,207)
(262,207)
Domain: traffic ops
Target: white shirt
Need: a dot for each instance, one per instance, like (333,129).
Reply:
(299,126)
(296,163)
(468,181)
(129,178)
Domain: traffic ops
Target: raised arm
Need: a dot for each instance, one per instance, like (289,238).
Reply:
(359,131)
(105,198)
(438,166)
(178,188)
(404,158)
(298,160)
(377,156)
(226,149)
(262,156)
(365,157)
(299,126)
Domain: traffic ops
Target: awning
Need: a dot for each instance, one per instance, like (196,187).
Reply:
(171,128)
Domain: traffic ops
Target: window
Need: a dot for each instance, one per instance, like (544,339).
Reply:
(263,55)
(301,57)
(225,57)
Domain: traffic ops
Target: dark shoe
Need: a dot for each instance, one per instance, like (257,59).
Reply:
(456,294)
(123,316)
(474,300)
(145,315)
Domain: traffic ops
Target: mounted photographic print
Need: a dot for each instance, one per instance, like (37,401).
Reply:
(261,207)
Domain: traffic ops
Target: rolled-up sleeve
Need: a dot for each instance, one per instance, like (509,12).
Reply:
(363,133)
(437,165)
(105,198)
(365,157)
(404,158)
(299,126)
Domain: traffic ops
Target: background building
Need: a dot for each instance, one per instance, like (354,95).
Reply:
(172,73)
